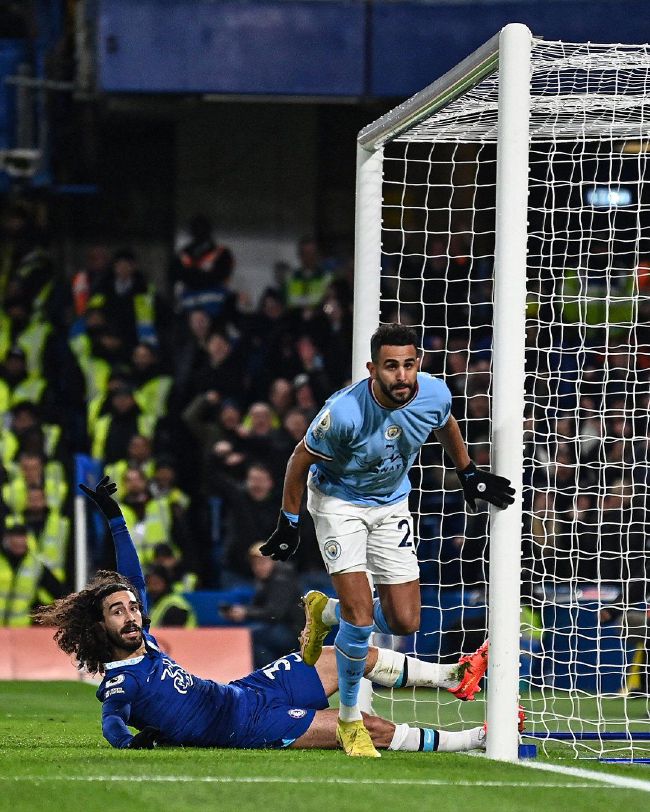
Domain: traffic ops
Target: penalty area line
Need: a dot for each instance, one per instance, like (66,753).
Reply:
(259,779)
(620,781)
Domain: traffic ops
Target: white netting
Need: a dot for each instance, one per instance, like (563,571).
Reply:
(587,394)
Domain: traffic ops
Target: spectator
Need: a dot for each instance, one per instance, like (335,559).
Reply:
(251,514)
(138,455)
(33,471)
(123,419)
(152,521)
(201,271)
(152,387)
(50,529)
(22,577)
(220,370)
(177,574)
(280,396)
(275,612)
(128,301)
(168,607)
(306,286)
(96,264)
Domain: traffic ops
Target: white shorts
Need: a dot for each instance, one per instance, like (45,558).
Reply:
(355,538)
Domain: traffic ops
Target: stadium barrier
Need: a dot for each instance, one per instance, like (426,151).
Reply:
(218,654)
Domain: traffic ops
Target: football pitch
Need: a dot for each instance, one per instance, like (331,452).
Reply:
(53,757)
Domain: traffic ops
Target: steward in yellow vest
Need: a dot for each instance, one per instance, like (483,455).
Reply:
(23,574)
(113,431)
(150,521)
(127,300)
(169,607)
(32,471)
(51,530)
(152,388)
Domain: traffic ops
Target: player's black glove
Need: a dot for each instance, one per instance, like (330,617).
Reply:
(102,496)
(284,541)
(479,484)
(148,738)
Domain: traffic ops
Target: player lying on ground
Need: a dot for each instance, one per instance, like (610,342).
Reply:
(282,705)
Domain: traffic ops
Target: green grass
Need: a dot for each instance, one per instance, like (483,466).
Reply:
(52,757)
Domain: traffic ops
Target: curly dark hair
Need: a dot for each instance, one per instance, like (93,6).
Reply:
(78,616)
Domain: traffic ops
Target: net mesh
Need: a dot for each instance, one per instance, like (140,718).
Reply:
(585,428)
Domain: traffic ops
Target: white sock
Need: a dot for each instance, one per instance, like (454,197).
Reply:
(392,666)
(405,738)
(454,742)
(329,612)
(349,713)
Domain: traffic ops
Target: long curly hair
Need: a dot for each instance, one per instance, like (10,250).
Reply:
(77,619)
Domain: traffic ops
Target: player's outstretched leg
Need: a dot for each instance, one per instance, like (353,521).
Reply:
(472,668)
(396,670)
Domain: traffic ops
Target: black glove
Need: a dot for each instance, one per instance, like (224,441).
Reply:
(146,739)
(102,497)
(284,542)
(479,484)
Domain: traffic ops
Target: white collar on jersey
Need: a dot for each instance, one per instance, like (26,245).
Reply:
(118,663)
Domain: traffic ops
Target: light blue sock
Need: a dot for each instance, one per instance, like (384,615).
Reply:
(351,647)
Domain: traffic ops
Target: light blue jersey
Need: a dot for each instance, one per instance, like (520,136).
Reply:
(366,449)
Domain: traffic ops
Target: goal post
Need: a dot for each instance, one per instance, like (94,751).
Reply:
(502,212)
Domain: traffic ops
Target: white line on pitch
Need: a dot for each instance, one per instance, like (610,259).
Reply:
(258,779)
(620,781)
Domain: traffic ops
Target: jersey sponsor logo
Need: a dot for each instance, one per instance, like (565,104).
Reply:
(112,692)
(182,680)
(297,713)
(392,432)
(332,549)
(115,681)
(322,426)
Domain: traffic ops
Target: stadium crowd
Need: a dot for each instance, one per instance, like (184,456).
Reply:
(193,404)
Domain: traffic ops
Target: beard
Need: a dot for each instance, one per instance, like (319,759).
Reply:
(119,641)
(398,396)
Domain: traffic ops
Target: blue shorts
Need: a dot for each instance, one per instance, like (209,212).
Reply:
(283,698)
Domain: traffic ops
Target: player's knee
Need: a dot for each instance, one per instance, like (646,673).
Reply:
(404,623)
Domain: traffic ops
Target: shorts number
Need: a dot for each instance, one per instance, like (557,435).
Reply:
(405,542)
(282,662)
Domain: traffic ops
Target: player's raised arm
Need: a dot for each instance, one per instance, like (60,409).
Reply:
(126,555)
(284,542)
(476,484)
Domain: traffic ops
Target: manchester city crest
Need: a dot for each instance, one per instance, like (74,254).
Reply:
(332,549)
(392,432)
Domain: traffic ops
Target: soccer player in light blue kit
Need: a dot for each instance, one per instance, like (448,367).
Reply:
(355,459)
(281,705)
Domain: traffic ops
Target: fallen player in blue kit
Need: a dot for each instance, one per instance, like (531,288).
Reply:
(282,705)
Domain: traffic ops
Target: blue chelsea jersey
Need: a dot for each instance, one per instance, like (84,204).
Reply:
(366,450)
(154,690)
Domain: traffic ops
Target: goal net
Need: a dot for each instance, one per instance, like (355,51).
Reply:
(583,670)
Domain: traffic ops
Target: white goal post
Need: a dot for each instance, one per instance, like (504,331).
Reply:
(530,155)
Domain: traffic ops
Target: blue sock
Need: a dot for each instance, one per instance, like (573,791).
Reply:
(351,647)
(381,624)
